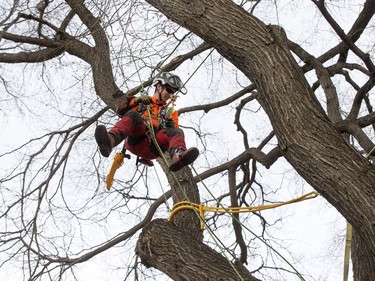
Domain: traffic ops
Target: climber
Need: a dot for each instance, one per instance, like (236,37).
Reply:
(146,115)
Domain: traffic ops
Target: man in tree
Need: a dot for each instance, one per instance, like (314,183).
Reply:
(148,125)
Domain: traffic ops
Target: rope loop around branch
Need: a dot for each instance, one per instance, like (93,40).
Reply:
(200,208)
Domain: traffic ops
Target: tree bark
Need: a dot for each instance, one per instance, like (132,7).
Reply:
(182,257)
(362,259)
(184,188)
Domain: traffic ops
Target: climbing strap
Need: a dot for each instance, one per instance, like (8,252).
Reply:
(200,208)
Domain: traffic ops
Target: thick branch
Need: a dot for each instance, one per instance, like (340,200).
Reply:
(252,153)
(184,188)
(164,246)
(32,57)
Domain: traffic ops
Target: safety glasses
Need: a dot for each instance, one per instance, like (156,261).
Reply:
(170,90)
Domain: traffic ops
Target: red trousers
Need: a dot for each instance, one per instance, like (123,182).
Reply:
(138,139)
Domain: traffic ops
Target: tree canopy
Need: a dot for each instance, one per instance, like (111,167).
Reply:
(279,103)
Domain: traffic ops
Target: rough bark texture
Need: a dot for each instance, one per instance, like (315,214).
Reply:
(176,248)
(311,143)
(184,188)
(362,259)
(182,257)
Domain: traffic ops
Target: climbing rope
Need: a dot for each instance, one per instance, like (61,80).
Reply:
(201,209)
(370,153)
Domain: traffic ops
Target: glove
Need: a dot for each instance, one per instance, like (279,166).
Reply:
(169,123)
(143,99)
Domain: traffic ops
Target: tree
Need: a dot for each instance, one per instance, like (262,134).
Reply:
(327,138)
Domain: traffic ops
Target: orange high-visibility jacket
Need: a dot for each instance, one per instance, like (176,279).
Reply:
(155,113)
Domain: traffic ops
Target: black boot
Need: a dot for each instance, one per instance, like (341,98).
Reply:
(182,158)
(105,140)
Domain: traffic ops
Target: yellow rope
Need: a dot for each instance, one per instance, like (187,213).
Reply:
(200,208)
(348,246)
(369,154)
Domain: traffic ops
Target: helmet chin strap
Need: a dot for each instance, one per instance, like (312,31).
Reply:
(160,90)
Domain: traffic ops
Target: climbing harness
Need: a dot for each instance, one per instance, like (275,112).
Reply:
(200,208)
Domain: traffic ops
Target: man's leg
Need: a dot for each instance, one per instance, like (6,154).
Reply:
(180,156)
(104,140)
(130,125)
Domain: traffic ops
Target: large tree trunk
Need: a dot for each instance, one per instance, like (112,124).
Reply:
(166,247)
(176,248)
(311,144)
(362,259)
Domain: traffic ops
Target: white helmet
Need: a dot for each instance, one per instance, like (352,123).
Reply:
(171,80)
